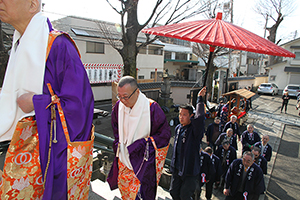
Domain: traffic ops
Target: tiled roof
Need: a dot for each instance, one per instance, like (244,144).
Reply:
(241,92)
(78,26)
(148,86)
(157,85)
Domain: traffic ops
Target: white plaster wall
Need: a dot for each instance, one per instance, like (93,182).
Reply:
(102,92)
(179,95)
(148,63)
(281,76)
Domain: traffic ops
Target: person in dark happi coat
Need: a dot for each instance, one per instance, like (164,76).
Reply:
(227,154)
(185,163)
(25,88)
(234,125)
(212,133)
(216,172)
(206,171)
(219,108)
(227,136)
(223,117)
(244,179)
(136,120)
(259,160)
(265,147)
(249,138)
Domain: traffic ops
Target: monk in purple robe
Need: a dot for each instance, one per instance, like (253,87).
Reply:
(136,120)
(25,91)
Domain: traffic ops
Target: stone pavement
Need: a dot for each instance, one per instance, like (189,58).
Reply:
(285,180)
(266,118)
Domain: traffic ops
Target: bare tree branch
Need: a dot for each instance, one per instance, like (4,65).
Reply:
(152,14)
(114,8)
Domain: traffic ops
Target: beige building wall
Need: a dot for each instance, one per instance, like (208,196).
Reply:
(145,63)
(172,69)
(281,77)
(179,94)
(148,63)
(260,80)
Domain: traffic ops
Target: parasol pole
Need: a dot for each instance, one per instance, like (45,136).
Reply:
(209,63)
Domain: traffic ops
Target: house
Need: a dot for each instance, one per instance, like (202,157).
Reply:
(103,63)
(288,70)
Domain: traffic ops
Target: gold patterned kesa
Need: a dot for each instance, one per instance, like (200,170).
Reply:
(22,175)
(128,183)
(160,157)
(80,158)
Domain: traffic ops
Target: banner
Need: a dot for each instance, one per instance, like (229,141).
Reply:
(103,73)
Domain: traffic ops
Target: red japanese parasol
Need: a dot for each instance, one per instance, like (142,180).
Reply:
(216,32)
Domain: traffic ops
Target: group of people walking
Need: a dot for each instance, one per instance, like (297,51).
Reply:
(48,116)
(256,152)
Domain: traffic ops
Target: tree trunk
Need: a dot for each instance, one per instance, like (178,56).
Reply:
(129,51)
(1,38)
(129,56)
(210,69)
(3,57)
(272,35)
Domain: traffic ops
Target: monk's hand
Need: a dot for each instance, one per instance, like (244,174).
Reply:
(202,92)
(226,192)
(25,102)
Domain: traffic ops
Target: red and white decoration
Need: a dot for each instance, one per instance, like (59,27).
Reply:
(103,73)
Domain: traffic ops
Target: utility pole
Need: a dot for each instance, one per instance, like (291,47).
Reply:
(229,56)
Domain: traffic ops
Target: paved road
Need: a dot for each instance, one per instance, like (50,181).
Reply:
(285,179)
(267,119)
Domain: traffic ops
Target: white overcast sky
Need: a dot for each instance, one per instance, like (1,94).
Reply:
(244,15)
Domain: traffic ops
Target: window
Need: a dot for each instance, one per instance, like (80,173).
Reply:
(272,78)
(168,55)
(141,77)
(143,50)
(94,47)
(297,55)
(155,50)
(181,56)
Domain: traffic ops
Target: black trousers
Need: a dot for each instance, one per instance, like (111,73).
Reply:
(209,189)
(284,105)
(182,188)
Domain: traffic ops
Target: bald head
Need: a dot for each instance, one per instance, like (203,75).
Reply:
(229,132)
(265,139)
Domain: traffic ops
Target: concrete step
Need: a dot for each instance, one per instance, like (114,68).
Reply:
(100,191)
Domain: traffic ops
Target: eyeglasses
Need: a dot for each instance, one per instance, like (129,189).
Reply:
(126,97)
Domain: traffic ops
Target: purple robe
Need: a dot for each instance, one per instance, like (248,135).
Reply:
(160,131)
(68,78)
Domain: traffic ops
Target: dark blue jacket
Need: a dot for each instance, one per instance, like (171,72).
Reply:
(246,140)
(190,160)
(235,127)
(218,171)
(254,184)
(262,163)
(229,159)
(206,168)
(267,153)
(223,136)
(210,131)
